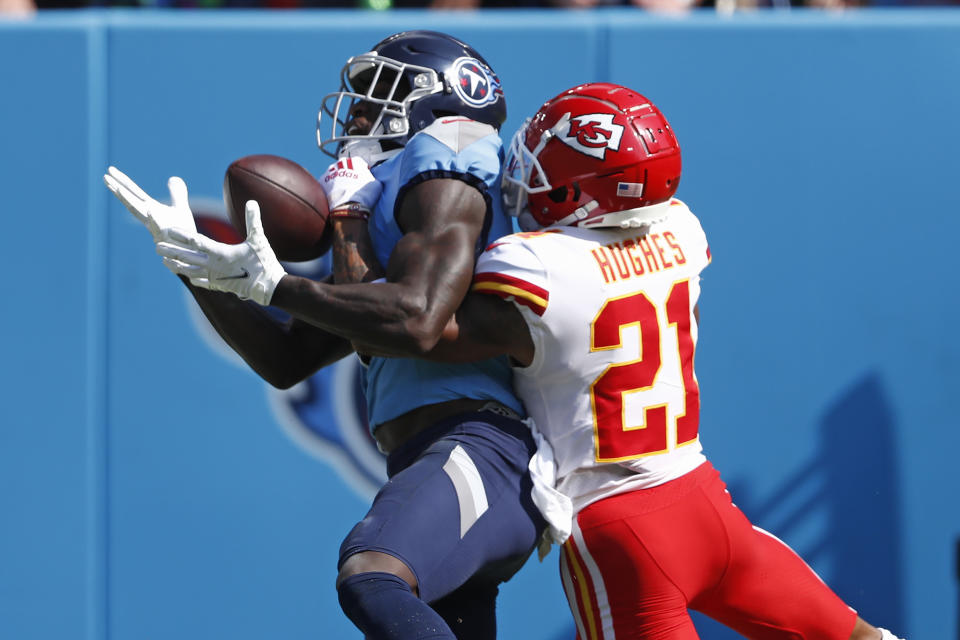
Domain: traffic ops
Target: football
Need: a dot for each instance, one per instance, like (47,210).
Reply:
(293,207)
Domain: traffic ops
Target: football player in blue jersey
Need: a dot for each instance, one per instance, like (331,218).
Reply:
(414,198)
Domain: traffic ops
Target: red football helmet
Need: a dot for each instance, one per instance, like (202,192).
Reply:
(596,155)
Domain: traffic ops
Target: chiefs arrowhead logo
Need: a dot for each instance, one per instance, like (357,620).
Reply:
(592,134)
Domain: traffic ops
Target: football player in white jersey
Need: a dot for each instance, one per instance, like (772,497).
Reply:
(597,306)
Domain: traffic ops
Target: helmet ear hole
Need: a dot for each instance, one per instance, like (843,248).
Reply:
(559,194)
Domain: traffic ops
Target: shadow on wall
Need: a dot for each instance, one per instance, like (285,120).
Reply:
(864,502)
(852,485)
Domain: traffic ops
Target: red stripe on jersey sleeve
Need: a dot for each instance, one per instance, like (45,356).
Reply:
(523,292)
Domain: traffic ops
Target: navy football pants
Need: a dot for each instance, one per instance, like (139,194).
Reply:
(457,511)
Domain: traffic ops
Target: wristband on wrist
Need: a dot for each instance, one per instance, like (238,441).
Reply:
(350,211)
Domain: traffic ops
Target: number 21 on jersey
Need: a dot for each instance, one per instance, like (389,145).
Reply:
(615,439)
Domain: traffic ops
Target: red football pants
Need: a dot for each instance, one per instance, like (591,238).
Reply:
(637,561)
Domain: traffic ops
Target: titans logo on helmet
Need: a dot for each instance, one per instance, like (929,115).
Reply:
(474,83)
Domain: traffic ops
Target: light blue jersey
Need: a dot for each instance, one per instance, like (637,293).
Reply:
(452,147)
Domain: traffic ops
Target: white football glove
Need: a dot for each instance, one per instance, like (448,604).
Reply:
(250,270)
(156,216)
(349,181)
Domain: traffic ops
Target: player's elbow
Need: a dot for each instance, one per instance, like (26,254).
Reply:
(280,380)
(417,336)
(419,326)
(422,340)
(286,375)
(422,334)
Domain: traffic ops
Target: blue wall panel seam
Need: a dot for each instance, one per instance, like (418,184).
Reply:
(602,52)
(97,315)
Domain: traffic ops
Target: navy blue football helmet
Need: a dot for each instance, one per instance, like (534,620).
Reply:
(411,78)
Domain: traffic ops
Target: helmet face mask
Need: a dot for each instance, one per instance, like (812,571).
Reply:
(596,155)
(383,86)
(403,85)
(522,174)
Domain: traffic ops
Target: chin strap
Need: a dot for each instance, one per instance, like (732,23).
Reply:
(579,214)
(626,219)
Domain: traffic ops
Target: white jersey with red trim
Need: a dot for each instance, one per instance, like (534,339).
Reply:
(611,313)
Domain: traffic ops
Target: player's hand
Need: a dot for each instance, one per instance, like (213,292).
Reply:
(156,216)
(348,183)
(250,270)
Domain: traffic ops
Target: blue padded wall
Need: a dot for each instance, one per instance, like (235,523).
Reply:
(152,487)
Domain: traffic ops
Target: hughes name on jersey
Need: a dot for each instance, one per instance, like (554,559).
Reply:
(610,312)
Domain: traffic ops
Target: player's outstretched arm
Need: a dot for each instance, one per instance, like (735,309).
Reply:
(428,275)
(282,353)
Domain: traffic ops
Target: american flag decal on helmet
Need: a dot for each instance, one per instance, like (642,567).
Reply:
(630,189)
